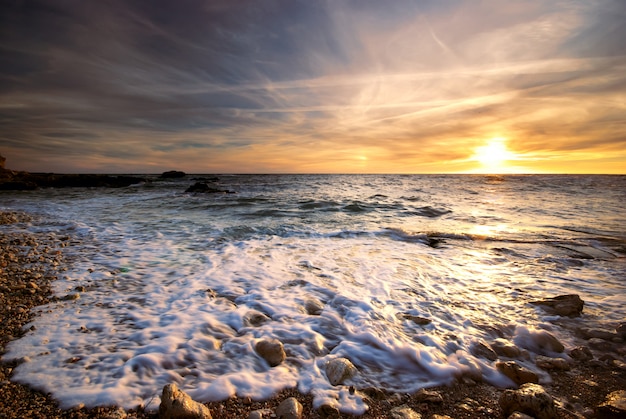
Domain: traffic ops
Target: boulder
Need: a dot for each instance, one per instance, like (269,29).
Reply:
(614,405)
(339,369)
(271,351)
(562,305)
(531,399)
(518,374)
(176,404)
(404,412)
(289,409)
(172,174)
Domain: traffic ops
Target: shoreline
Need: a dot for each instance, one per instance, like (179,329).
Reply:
(30,262)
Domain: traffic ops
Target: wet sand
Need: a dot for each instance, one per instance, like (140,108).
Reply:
(29,263)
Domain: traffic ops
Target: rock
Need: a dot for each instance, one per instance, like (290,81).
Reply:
(176,404)
(2,161)
(531,399)
(271,351)
(260,414)
(581,353)
(621,329)
(614,405)
(289,409)
(172,174)
(404,412)
(600,344)
(518,374)
(547,363)
(435,416)
(313,306)
(519,415)
(427,396)
(118,413)
(563,305)
(339,369)
(590,333)
(482,350)
(203,187)
(254,318)
(506,348)
(329,412)
(539,341)
(422,321)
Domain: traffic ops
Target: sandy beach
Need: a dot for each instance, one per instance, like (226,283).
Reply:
(30,262)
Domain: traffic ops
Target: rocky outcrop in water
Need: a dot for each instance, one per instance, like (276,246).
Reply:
(172,174)
(23,181)
(564,305)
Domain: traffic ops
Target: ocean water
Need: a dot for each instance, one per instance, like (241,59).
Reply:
(179,287)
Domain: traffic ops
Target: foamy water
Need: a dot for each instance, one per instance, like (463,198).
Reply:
(177,287)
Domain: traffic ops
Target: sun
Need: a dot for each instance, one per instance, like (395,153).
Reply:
(494,155)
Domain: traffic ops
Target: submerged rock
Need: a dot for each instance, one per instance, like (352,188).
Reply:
(176,404)
(506,348)
(289,409)
(271,351)
(339,369)
(482,350)
(563,305)
(518,374)
(203,187)
(313,306)
(531,399)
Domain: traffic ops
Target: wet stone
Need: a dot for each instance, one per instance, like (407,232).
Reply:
(614,405)
(427,396)
(581,353)
(271,351)
(482,350)
(404,412)
(176,404)
(518,374)
(562,305)
(289,409)
(547,363)
(339,369)
(506,348)
(531,399)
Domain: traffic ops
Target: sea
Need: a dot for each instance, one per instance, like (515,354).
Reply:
(407,274)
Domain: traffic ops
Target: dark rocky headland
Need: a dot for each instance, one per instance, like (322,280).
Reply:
(25,181)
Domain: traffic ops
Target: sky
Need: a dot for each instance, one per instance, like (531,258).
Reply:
(329,86)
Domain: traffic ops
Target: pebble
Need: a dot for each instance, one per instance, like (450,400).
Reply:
(404,412)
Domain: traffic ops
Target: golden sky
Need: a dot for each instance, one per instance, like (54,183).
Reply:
(523,86)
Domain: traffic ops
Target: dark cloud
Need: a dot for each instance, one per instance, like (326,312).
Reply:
(170,77)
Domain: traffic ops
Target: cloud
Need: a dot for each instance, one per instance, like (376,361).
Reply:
(299,86)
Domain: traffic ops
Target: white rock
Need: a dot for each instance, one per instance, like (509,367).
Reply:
(289,409)
(339,369)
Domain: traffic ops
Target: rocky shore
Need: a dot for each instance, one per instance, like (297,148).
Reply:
(591,383)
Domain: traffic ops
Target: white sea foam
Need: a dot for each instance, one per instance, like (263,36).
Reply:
(174,296)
